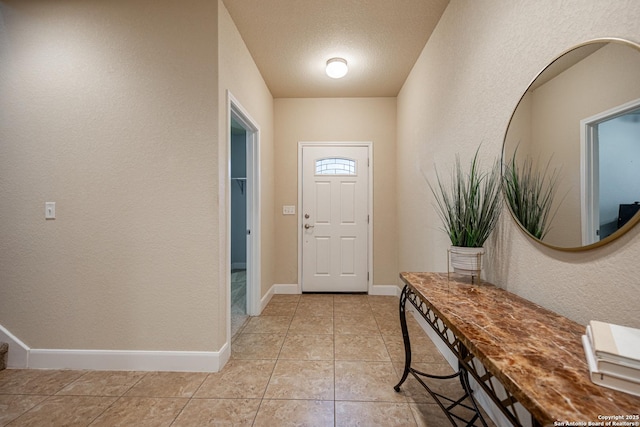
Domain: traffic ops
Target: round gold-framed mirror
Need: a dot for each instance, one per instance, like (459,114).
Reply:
(571,151)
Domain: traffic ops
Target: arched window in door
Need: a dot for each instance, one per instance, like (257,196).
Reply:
(335,166)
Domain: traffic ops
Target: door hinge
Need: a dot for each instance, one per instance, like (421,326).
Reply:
(368,162)
(367,276)
(248,232)
(367,219)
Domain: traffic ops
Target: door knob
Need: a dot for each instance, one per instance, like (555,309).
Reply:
(307,226)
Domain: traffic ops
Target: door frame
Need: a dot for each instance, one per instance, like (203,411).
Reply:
(369,146)
(240,114)
(590,168)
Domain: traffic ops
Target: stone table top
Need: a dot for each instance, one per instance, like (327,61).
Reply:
(536,353)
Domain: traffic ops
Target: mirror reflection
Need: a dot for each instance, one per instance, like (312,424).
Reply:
(580,119)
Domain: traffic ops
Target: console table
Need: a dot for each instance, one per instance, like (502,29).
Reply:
(536,355)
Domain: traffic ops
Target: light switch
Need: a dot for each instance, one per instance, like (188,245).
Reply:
(288,210)
(50,210)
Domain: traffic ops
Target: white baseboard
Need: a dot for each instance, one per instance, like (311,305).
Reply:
(265,299)
(21,357)
(18,355)
(389,290)
(278,290)
(223,356)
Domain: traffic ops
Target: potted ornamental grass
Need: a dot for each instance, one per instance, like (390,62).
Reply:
(469,204)
(529,193)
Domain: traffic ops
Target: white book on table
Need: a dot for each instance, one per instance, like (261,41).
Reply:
(618,368)
(607,380)
(615,343)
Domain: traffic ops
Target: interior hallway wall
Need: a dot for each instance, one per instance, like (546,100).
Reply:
(109,109)
(239,74)
(461,93)
(336,119)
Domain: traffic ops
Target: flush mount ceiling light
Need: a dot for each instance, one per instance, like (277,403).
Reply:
(337,68)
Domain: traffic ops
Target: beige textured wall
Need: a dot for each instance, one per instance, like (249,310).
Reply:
(109,108)
(239,74)
(336,119)
(462,92)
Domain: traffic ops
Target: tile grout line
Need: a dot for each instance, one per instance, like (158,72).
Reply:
(105,409)
(274,367)
(382,313)
(190,399)
(115,401)
(32,408)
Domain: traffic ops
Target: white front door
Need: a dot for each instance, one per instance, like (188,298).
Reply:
(334,218)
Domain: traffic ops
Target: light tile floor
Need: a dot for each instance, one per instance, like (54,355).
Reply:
(308,360)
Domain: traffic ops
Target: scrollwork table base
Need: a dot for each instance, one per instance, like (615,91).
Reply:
(528,360)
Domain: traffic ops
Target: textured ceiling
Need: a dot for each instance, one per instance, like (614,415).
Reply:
(291,40)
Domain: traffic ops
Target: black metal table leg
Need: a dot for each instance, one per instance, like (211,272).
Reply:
(405,338)
(445,403)
(464,379)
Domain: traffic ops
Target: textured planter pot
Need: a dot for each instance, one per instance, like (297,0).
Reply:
(466,261)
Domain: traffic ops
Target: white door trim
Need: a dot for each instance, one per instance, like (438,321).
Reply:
(369,146)
(235,109)
(589,169)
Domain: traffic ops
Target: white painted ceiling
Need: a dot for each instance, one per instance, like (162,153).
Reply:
(291,41)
